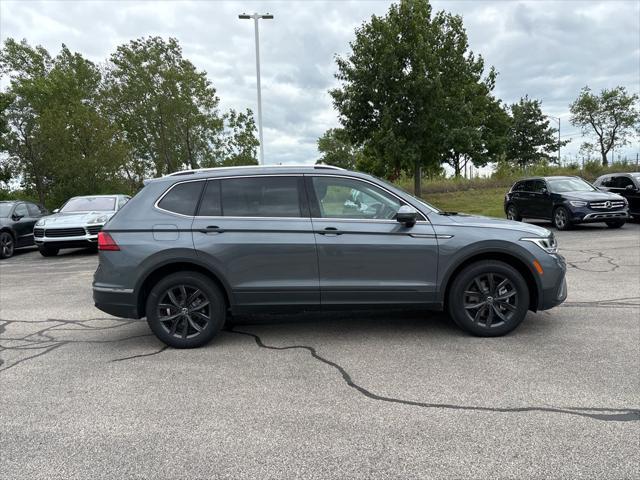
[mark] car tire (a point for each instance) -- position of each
(48, 251)
(185, 310)
(615, 223)
(488, 298)
(512, 213)
(7, 245)
(561, 219)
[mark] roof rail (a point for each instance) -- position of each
(198, 170)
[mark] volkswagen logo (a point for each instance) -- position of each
(607, 204)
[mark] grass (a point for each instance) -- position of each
(486, 201)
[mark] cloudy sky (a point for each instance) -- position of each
(546, 49)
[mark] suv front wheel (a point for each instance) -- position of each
(488, 298)
(185, 310)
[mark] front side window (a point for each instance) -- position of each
(266, 196)
(90, 204)
(622, 182)
(348, 198)
(21, 210)
(182, 198)
(34, 210)
(538, 186)
(122, 201)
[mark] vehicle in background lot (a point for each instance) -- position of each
(566, 201)
(77, 223)
(624, 184)
(17, 219)
(193, 246)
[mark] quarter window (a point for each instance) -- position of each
(266, 196)
(182, 198)
(347, 198)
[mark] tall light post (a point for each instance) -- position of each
(558, 120)
(256, 17)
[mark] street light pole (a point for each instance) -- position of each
(255, 18)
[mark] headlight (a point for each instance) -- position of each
(578, 203)
(548, 244)
(100, 219)
(41, 222)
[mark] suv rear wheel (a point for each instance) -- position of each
(488, 298)
(512, 213)
(6, 245)
(185, 310)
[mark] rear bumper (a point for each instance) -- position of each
(117, 302)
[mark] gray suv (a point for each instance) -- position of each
(193, 247)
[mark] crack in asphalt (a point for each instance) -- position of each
(627, 302)
(594, 255)
(605, 414)
(160, 350)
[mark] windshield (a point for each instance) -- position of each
(561, 185)
(90, 204)
(5, 209)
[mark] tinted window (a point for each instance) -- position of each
(21, 210)
(210, 205)
(527, 186)
(605, 182)
(182, 198)
(261, 197)
(537, 186)
(621, 182)
(347, 198)
(34, 211)
(518, 187)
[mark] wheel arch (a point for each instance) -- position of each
(160, 271)
(506, 257)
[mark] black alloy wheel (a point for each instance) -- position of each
(185, 310)
(561, 219)
(488, 298)
(6, 245)
(512, 213)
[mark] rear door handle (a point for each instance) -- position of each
(212, 229)
(330, 231)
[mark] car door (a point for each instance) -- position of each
(23, 225)
(540, 200)
(256, 232)
(364, 255)
(623, 185)
(34, 215)
(525, 197)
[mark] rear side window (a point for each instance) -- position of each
(518, 187)
(210, 205)
(182, 198)
(261, 197)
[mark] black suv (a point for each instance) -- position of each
(17, 219)
(625, 184)
(565, 201)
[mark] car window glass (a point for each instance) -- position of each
(537, 186)
(182, 198)
(518, 187)
(621, 182)
(34, 211)
(122, 201)
(266, 196)
(561, 185)
(21, 210)
(90, 204)
(210, 205)
(348, 198)
(606, 182)
(527, 186)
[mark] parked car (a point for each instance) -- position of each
(566, 201)
(624, 184)
(77, 223)
(192, 247)
(17, 219)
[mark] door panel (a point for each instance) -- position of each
(363, 262)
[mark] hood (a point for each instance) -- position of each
(591, 196)
(490, 222)
(73, 218)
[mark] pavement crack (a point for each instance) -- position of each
(162, 349)
(610, 263)
(605, 414)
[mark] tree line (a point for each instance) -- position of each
(70, 127)
(413, 97)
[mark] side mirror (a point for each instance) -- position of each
(544, 191)
(56, 210)
(407, 215)
(15, 217)
(630, 188)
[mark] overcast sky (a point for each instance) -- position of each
(546, 49)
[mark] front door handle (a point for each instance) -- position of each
(212, 229)
(330, 231)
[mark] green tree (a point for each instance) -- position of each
(57, 142)
(531, 138)
(610, 118)
(337, 150)
(237, 144)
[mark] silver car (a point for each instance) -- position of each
(77, 223)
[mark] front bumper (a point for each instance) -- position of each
(590, 215)
(85, 236)
(554, 288)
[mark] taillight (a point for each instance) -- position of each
(106, 242)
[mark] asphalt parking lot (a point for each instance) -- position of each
(357, 395)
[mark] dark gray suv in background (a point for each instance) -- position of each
(195, 246)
